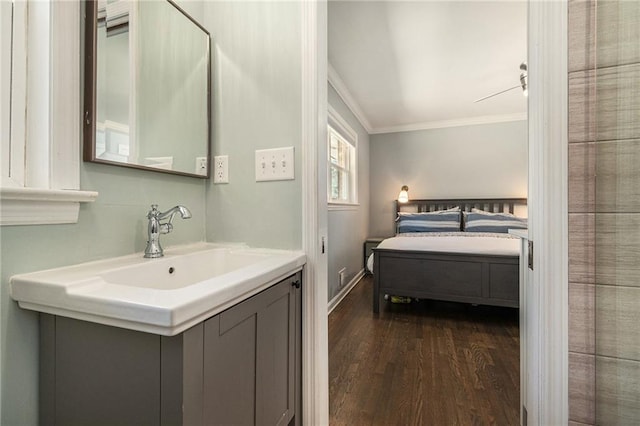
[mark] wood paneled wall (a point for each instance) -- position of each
(604, 211)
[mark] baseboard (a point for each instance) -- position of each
(345, 290)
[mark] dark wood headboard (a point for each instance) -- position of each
(496, 205)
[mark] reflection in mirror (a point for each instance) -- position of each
(151, 82)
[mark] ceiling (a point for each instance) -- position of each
(408, 65)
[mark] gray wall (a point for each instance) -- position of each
(257, 102)
(348, 228)
(488, 160)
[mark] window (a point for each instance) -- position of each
(340, 155)
(342, 176)
(39, 113)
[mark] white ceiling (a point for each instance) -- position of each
(404, 65)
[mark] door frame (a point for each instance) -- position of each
(315, 347)
(547, 311)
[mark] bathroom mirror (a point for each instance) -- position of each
(147, 87)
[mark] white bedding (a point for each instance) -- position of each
(454, 242)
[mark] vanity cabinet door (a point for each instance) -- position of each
(275, 357)
(229, 369)
(249, 360)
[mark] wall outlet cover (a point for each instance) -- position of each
(201, 166)
(221, 169)
(341, 276)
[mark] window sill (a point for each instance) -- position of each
(343, 206)
(31, 206)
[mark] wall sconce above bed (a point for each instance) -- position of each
(403, 196)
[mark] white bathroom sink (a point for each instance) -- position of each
(163, 296)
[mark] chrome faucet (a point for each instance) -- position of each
(155, 228)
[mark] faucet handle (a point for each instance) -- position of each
(153, 212)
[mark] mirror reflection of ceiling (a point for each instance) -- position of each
(421, 64)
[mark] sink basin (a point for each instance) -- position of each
(173, 272)
(162, 296)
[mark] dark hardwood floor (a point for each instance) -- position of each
(424, 363)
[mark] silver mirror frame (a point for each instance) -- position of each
(90, 94)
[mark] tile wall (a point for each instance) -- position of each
(604, 212)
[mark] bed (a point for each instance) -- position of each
(451, 264)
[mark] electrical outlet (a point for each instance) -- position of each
(221, 169)
(201, 166)
(275, 164)
(341, 275)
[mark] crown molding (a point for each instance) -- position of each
(471, 121)
(336, 82)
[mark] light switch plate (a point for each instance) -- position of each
(275, 164)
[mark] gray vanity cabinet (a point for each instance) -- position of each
(251, 348)
(240, 367)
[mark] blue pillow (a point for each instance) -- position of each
(441, 221)
(492, 222)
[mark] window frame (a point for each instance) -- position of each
(40, 180)
(337, 125)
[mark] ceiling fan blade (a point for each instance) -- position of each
(497, 93)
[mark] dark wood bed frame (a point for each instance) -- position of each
(478, 279)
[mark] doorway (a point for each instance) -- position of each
(388, 171)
